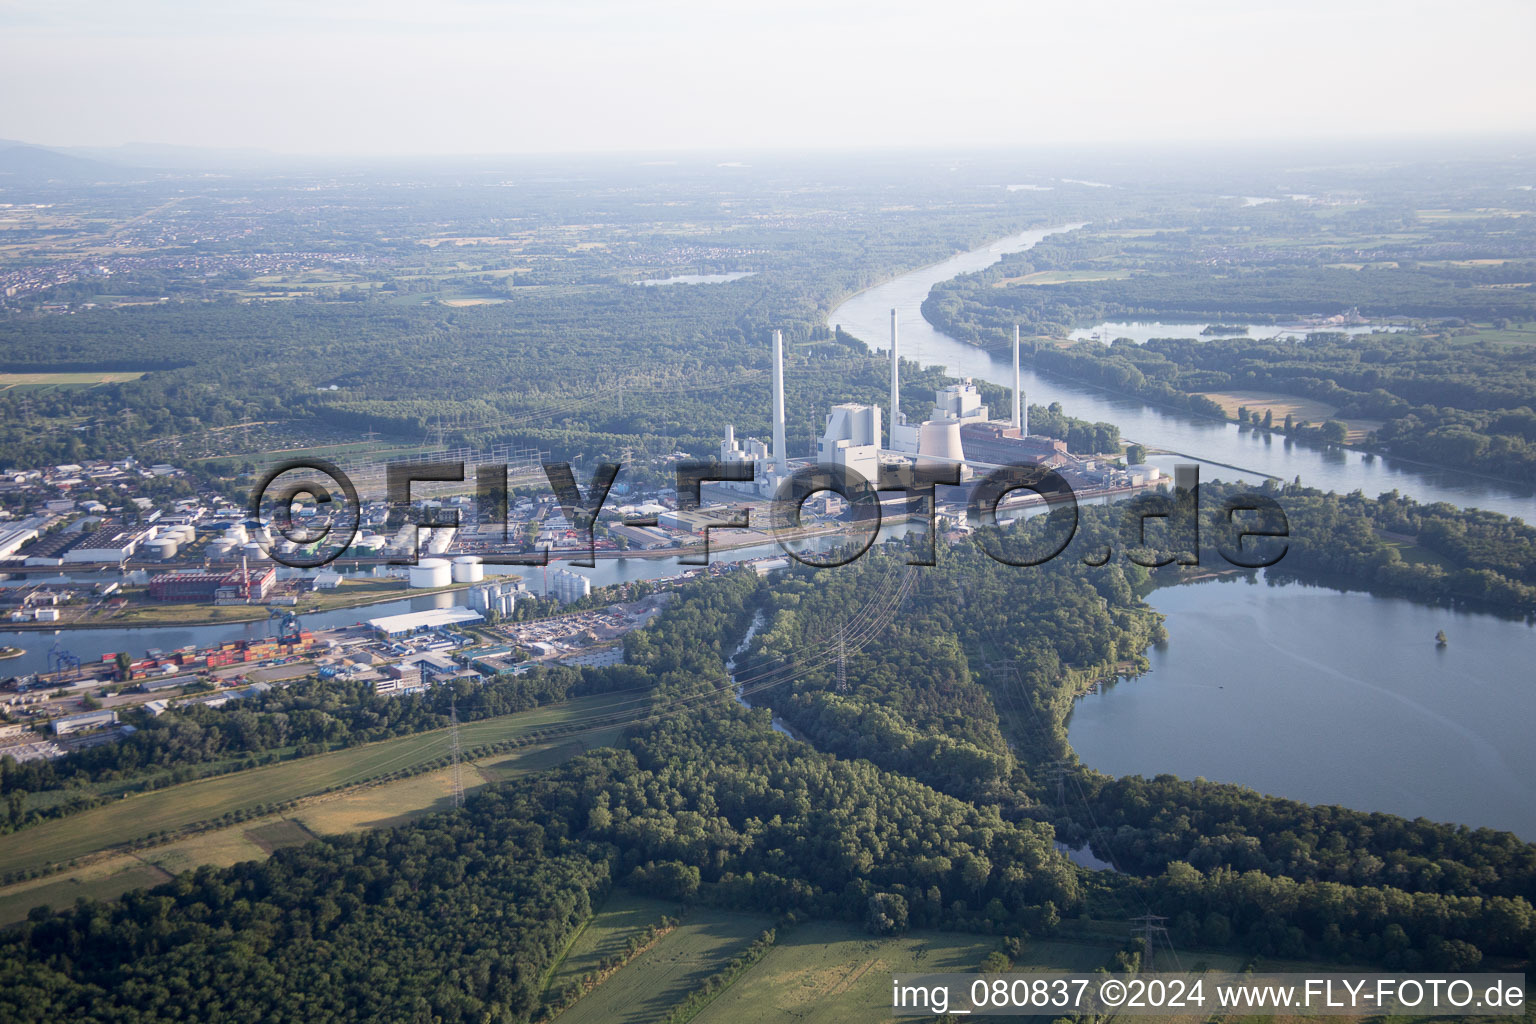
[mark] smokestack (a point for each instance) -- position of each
(896, 416)
(1018, 387)
(780, 455)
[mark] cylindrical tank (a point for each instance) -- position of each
(441, 539)
(940, 439)
(163, 548)
(237, 533)
(468, 569)
(221, 549)
(253, 552)
(186, 534)
(431, 572)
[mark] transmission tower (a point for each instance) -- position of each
(1151, 927)
(1056, 772)
(842, 660)
(458, 781)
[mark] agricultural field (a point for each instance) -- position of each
(655, 981)
(178, 807)
(835, 973)
(625, 914)
(371, 806)
(1311, 410)
(46, 381)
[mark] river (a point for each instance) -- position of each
(867, 316)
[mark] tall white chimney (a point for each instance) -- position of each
(780, 455)
(1018, 386)
(896, 416)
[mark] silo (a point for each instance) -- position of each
(468, 569)
(430, 572)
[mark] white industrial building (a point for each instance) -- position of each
(109, 544)
(79, 723)
(415, 622)
(13, 537)
(852, 440)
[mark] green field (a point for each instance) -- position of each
(625, 914)
(834, 972)
(44, 381)
(371, 806)
(177, 807)
(661, 977)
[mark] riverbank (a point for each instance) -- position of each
(192, 615)
(865, 315)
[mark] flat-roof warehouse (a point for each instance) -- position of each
(415, 622)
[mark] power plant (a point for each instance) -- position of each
(957, 431)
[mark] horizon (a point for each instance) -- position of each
(393, 81)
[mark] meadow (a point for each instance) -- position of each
(141, 816)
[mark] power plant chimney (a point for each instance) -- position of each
(780, 455)
(1018, 387)
(896, 417)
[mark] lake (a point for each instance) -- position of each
(1330, 698)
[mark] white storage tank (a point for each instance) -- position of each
(253, 552)
(430, 572)
(163, 548)
(221, 550)
(468, 569)
(237, 533)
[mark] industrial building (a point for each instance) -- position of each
(79, 723)
(235, 587)
(108, 544)
(998, 445)
(852, 440)
(390, 626)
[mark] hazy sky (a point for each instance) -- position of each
(463, 76)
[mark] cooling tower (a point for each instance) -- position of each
(940, 439)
